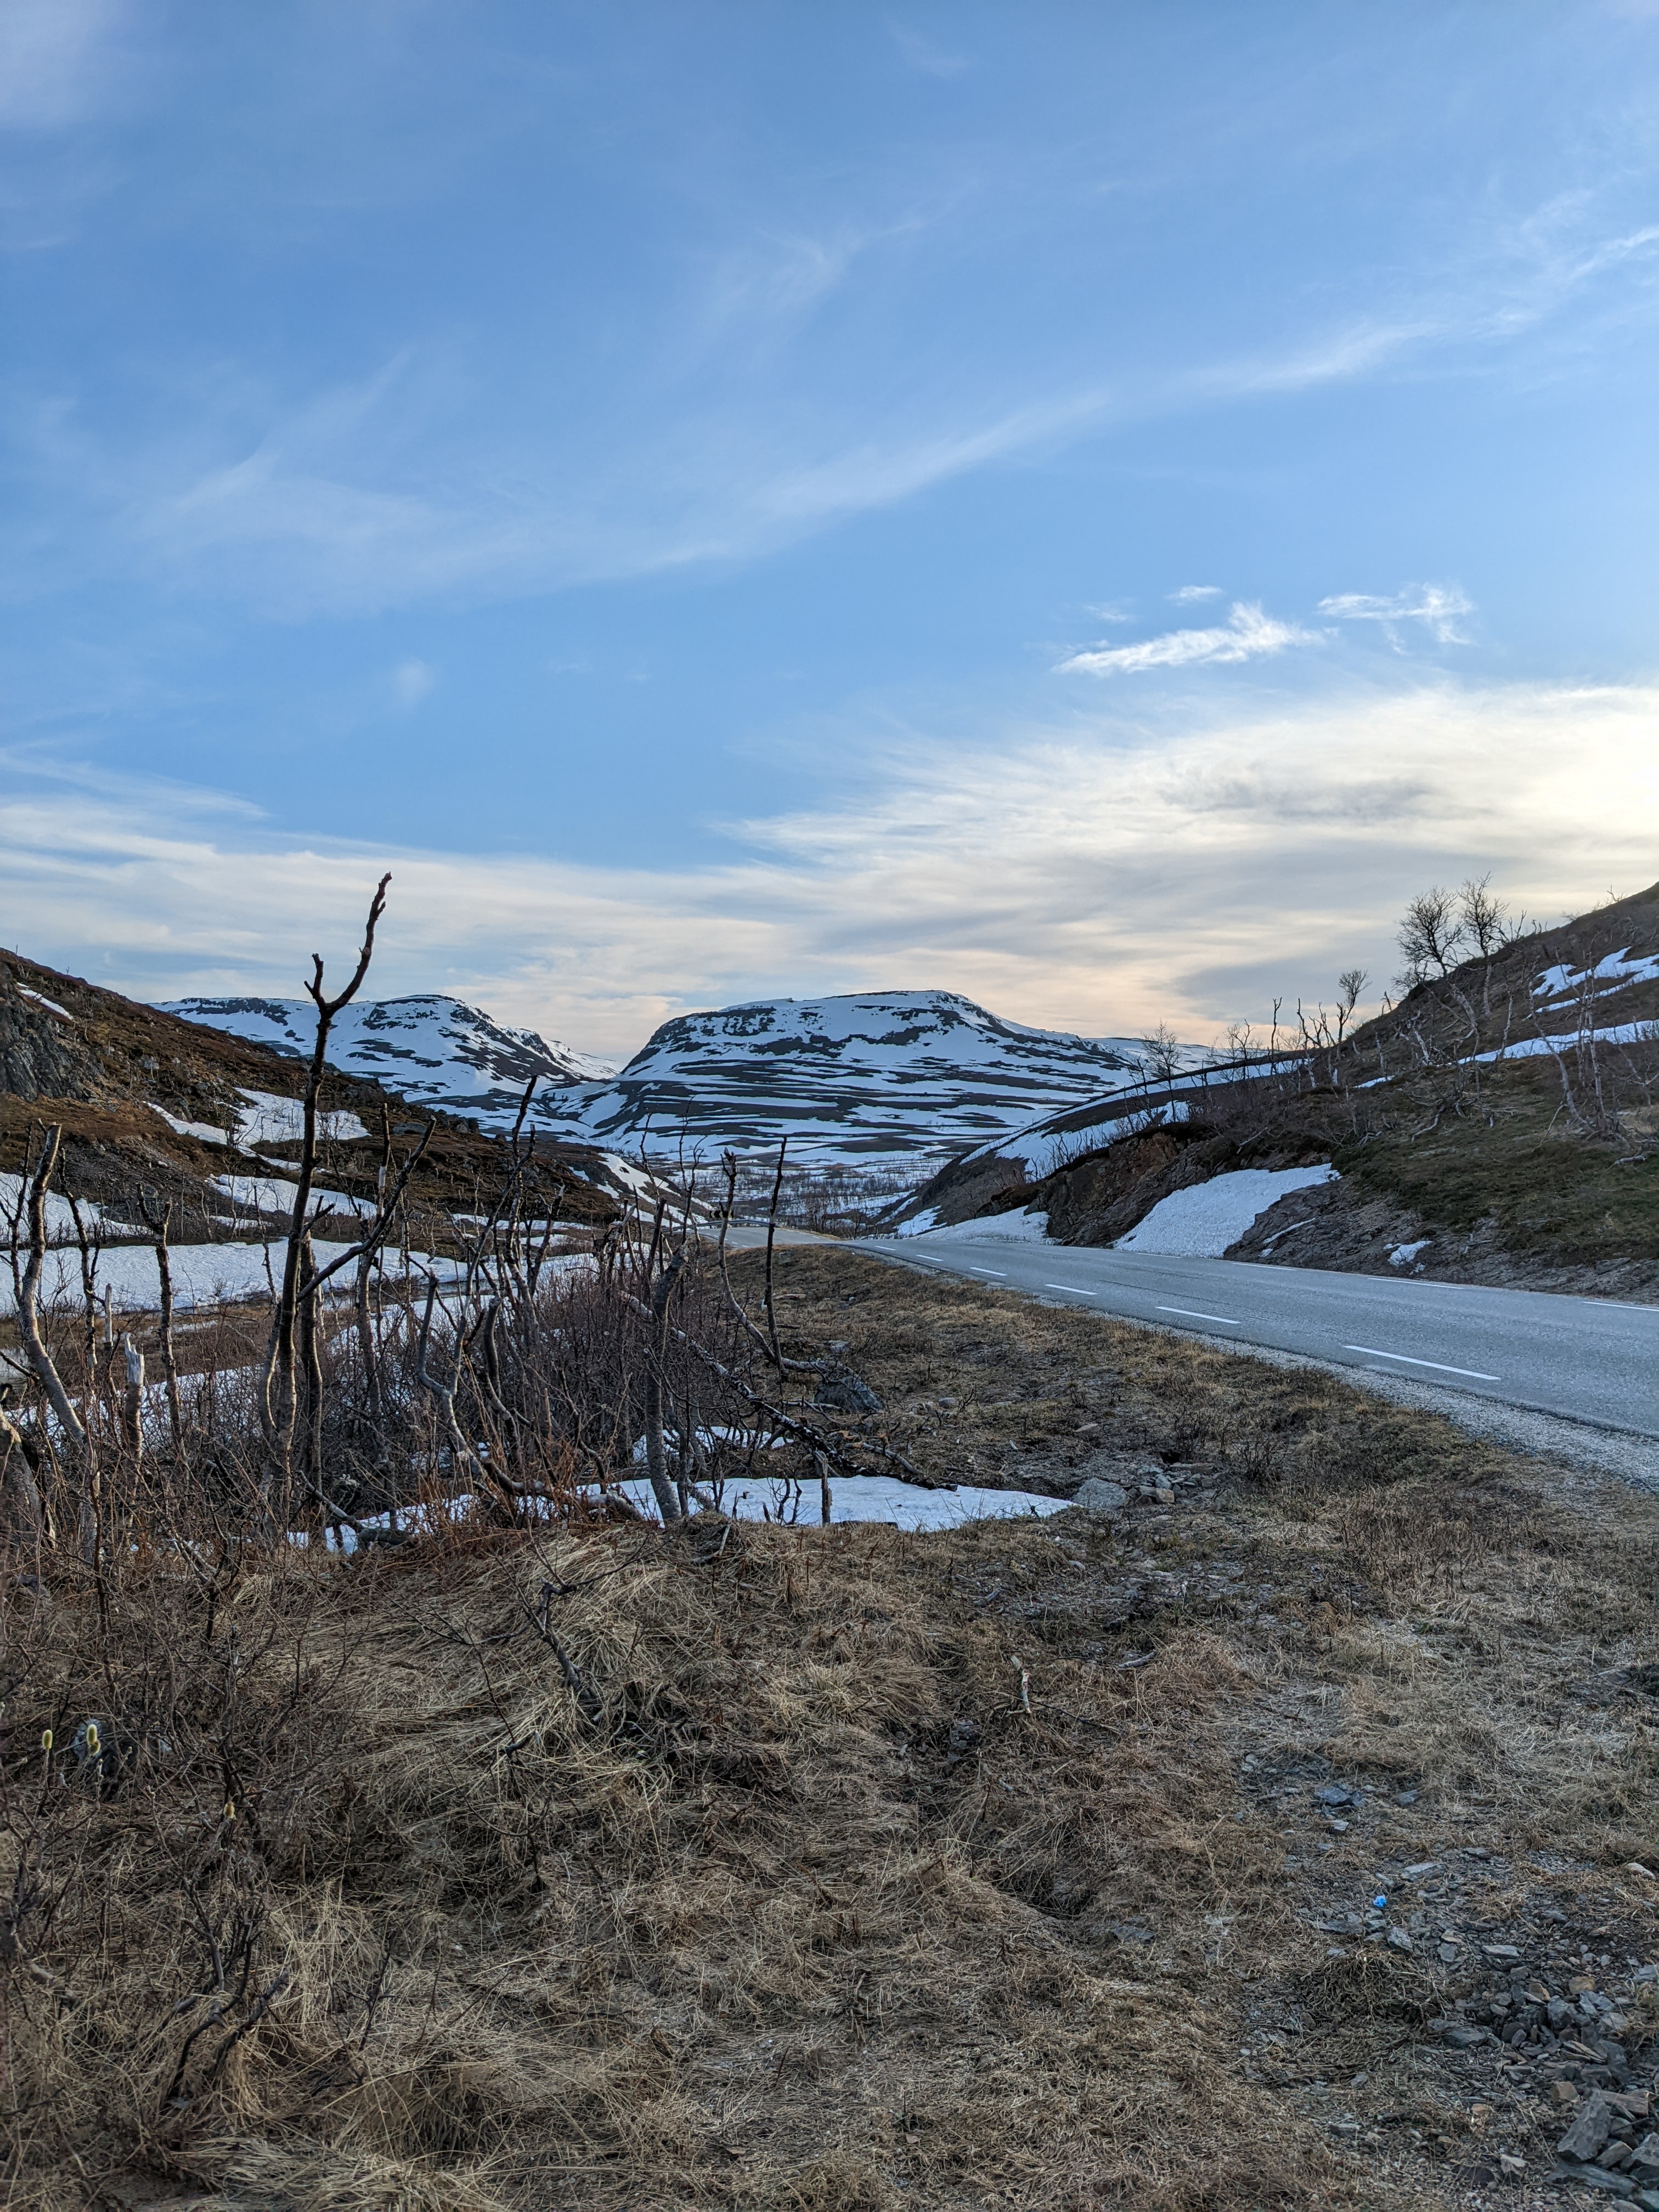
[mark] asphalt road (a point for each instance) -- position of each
(1588, 1359)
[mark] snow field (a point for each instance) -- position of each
(1200, 1224)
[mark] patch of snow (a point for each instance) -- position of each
(205, 1132)
(276, 1194)
(1403, 1255)
(50, 1005)
(202, 1274)
(919, 1225)
(1201, 1222)
(1568, 1041)
(273, 1119)
(878, 1497)
(1614, 973)
(1026, 1228)
(59, 1217)
(866, 1497)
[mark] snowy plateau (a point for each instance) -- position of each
(865, 1076)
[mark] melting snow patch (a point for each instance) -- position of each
(50, 1005)
(1403, 1255)
(998, 1229)
(271, 1119)
(1618, 969)
(1202, 1222)
(867, 1497)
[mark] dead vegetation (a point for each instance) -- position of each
(833, 1867)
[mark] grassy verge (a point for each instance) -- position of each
(842, 1869)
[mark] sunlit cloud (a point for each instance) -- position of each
(1438, 607)
(1097, 881)
(1248, 634)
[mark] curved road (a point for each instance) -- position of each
(1587, 1360)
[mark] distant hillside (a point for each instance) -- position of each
(437, 1050)
(861, 1075)
(1500, 1124)
(157, 1111)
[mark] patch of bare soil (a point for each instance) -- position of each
(1030, 1864)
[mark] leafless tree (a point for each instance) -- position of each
(280, 1390)
(1482, 916)
(1431, 931)
(1349, 985)
(1162, 1053)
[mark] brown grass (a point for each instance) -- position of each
(795, 1905)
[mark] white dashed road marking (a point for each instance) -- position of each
(1473, 1374)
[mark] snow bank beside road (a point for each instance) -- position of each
(1201, 1222)
(988, 1228)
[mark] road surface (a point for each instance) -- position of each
(1586, 1359)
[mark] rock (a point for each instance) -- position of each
(1590, 2128)
(1097, 1495)
(1448, 1953)
(843, 1392)
(1328, 1793)
(1592, 2177)
(1644, 2159)
(1563, 2092)
(1398, 1940)
(1465, 2039)
(1646, 1974)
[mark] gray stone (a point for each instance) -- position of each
(1465, 2039)
(1097, 1495)
(1592, 2124)
(1645, 2156)
(1593, 2177)
(847, 1393)
(1398, 1940)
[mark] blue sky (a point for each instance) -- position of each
(1091, 506)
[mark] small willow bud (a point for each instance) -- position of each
(92, 1738)
(46, 1739)
(230, 1808)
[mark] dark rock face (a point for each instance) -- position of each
(39, 1055)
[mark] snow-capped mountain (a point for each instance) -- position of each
(870, 1073)
(431, 1049)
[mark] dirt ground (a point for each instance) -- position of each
(1035, 1863)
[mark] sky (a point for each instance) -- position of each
(1088, 506)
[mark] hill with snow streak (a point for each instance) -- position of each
(433, 1050)
(867, 1074)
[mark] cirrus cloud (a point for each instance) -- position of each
(1247, 634)
(1097, 879)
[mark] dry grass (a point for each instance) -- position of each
(791, 1903)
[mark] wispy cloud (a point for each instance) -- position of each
(55, 59)
(1190, 592)
(922, 54)
(411, 681)
(1097, 880)
(1438, 607)
(1248, 634)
